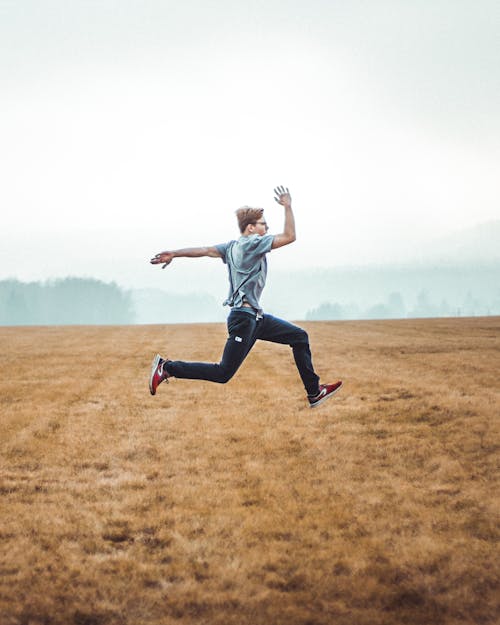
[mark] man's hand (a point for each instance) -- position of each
(164, 258)
(283, 197)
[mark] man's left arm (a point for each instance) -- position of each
(288, 235)
(165, 258)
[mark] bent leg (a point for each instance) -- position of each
(280, 331)
(241, 329)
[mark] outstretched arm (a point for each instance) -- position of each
(284, 198)
(165, 258)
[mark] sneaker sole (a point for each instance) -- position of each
(326, 397)
(154, 365)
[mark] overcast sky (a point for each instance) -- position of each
(128, 127)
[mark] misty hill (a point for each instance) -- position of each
(375, 292)
(388, 292)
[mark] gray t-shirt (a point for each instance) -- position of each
(247, 265)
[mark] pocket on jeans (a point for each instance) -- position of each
(240, 326)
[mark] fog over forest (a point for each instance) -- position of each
(328, 294)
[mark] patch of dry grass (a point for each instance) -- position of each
(237, 504)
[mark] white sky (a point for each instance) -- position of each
(129, 127)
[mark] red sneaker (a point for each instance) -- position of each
(325, 391)
(158, 374)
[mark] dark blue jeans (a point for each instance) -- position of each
(244, 329)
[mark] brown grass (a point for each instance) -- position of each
(237, 504)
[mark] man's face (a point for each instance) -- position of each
(261, 226)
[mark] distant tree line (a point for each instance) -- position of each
(394, 307)
(348, 294)
(65, 301)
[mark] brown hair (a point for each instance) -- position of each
(247, 215)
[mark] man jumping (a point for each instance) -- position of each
(247, 266)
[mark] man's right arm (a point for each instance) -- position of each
(165, 258)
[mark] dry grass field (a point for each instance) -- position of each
(237, 504)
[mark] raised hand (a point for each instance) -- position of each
(164, 258)
(282, 196)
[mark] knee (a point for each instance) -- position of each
(224, 376)
(301, 338)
